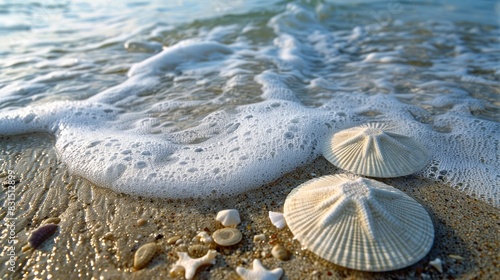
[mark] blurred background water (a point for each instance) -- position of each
(65, 49)
(440, 56)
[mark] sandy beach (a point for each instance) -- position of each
(100, 230)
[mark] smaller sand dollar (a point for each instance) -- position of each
(375, 150)
(227, 236)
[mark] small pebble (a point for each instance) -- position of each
(456, 257)
(144, 255)
(26, 247)
(227, 236)
(280, 253)
(108, 236)
(39, 235)
(259, 238)
(52, 220)
(141, 222)
(264, 254)
(173, 239)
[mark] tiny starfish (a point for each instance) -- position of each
(259, 272)
(190, 265)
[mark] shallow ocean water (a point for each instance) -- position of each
(194, 99)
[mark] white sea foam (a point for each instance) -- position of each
(182, 52)
(118, 140)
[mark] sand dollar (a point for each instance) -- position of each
(375, 150)
(359, 223)
(227, 236)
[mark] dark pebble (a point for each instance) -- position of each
(39, 235)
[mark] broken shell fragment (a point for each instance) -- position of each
(359, 223)
(144, 255)
(277, 219)
(437, 264)
(204, 237)
(228, 217)
(39, 235)
(375, 150)
(227, 236)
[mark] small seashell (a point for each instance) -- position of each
(227, 236)
(280, 252)
(228, 217)
(39, 235)
(144, 255)
(204, 237)
(359, 223)
(375, 150)
(277, 219)
(52, 220)
(259, 238)
(173, 239)
(437, 264)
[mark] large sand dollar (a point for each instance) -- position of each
(359, 223)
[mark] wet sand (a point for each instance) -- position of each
(99, 230)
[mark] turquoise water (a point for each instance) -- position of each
(195, 98)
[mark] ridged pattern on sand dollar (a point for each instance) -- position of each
(359, 223)
(373, 149)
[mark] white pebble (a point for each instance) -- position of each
(259, 238)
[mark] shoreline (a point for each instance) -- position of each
(99, 230)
